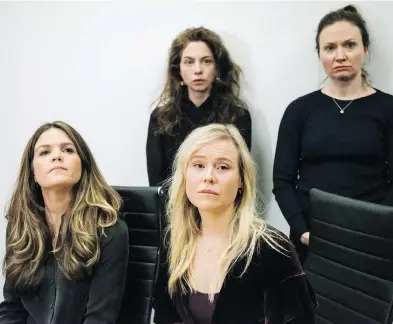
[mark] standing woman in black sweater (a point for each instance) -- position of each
(340, 138)
(202, 87)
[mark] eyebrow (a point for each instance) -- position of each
(345, 41)
(193, 58)
(48, 145)
(221, 159)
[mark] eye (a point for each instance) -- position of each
(208, 61)
(188, 62)
(351, 44)
(69, 150)
(329, 48)
(223, 167)
(44, 152)
(198, 165)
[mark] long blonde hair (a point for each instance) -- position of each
(94, 206)
(246, 228)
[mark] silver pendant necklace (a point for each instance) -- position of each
(339, 107)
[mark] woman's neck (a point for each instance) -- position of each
(347, 90)
(57, 203)
(198, 97)
(216, 223)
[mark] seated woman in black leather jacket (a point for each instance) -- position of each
(66, 250)
(221, 262)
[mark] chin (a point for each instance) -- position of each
(206, 205)
(60, 184)
(345, 77)
(201, 88)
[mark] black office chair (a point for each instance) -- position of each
(350, 261)
(142, 212)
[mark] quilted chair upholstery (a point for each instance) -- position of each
(350, 261)
(142, 212)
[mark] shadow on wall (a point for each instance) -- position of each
(261, 150)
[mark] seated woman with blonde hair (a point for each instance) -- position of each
(221, 262)
(66, 250)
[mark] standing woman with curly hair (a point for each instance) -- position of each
(66, 250)
(202, 87)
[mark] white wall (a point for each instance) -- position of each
(100, 65)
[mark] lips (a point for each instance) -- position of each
(208, 191)
(58, 168)
(341, 67)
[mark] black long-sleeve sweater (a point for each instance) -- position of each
(349, 154)
(161, 148)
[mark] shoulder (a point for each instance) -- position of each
(243, 114)
(384, 98)
(279, 260)
(383, 101)
(384, 95)
(302, 102)
(117, 234)
(154, 114)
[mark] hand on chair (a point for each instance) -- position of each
(305, 238)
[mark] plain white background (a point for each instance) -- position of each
(100, 65)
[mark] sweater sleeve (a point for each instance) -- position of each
(244, 124)
(286, 168)
(155, 154)
(389, 154)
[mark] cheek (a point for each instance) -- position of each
(38, 170)
(184, 73)
(192, 180)
(76, 166)
(358, 59)
(212, 72)
(326, 62)
(231, 189)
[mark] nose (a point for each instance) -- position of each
(198, 68)
(57, 155)
(340, 54)
(209, 176)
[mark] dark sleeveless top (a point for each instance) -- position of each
(201, 308)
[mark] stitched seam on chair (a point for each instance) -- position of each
(141, 262)
(354, 231)
(152, 213)
(368, 274)
(143, 246)
(351, 269)
(351, 250)
(143, 229)
(347, 308)
(350, 288)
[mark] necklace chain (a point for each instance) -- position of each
(342, 110)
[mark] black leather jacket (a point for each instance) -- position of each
(96, 299)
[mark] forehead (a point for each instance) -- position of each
(218, 150)
(197, 49)
(340, 31)
(52, 136)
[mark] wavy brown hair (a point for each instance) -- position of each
(225, 90)
(94, 206)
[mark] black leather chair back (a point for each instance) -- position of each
(350, 261)
(142, 212)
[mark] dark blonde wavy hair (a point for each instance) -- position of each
(93, 207)
(225, 90)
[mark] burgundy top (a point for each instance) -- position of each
(201, 308)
